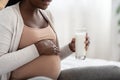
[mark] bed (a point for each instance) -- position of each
(71, 62)
(89, 69)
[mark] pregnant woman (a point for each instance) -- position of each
(28, 42)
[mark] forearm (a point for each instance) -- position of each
(48, 66)
(13, 60)
(65, 52)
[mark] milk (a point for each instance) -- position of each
(80, 35)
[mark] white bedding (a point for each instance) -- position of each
(71, 62)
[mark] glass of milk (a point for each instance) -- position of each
(80, 36)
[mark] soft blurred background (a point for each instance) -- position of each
(100, 17)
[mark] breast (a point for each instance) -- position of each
(32, 35)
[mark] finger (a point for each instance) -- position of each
(87, 43)
(73, 49)
(86, 37)
(73, 40)
(56, 50)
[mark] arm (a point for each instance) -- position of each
(13, 60)
(64, 51)
(70, 48)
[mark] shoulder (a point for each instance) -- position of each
(7, 13)
(10, 12)
(8, 18)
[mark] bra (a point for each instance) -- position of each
(32, 35)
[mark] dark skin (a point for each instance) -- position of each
(32, 17)
(30, 14)
(47, 47)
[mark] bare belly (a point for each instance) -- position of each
(48, 66)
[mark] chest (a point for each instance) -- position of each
(35, 21)
(33, 35)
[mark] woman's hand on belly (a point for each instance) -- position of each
(47, 47)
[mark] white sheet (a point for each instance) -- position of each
(71, 62)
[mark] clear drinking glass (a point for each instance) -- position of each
(80, 36)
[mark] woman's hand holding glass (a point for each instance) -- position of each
(72, 43)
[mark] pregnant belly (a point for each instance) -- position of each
(42, 66)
